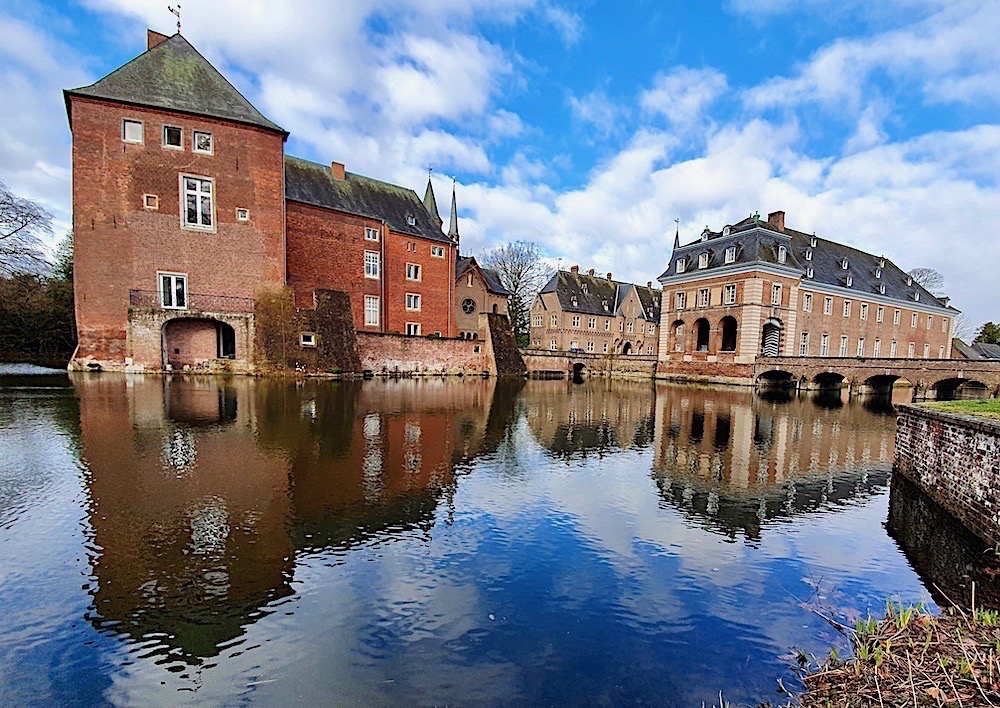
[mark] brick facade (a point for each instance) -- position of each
(471, 285)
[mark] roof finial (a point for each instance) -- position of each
(176, 11)
(677, 234)
(453, 225)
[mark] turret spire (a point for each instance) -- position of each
(453, 225)
(429, 201)
(677, 234)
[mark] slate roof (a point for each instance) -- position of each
(986, 351)
(174, 76)
(314, 184)
(758, 242)
(490, 275)
(587, 294)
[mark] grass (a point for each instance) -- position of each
(984, 407)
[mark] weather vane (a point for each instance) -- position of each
(176, 11)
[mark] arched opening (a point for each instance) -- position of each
(677, 334)
(702, 332)
(728, 327)
(829, 381)
(190, 342)
(578, 368)
(770, 339)
(776, 379)
(880, 385)
(627, 348)
(958, 389)
(496, 309)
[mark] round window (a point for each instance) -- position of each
(468, 305)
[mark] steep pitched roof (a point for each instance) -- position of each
(174, 76)
(314, 184)
(491, 277)
(430, 202)
(453, 223)
(758, 242)
(587, 294)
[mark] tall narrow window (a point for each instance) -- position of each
(371, 310)
(880, 314)
(807, 302)
(861, 346)
(731, 254)
(680, 300)
(913, 320)
(843, 345)
(927, 351)
(372, 265)
(555, 320)
(910, 350)
(864, 310)
(930, 321)
(680, 265)
(413, 271)
(775, 294)
(729, 295)
(828, 306)
(173, 291)
(782, 254)
(877, 348)
(199, 203)
(703, 261)
(895, 317)
(847, 308)
(704, 297)
(824, 345)
(804, 344)
(892, 349)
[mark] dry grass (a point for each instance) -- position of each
(983, 407)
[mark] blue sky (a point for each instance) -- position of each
(589, 127)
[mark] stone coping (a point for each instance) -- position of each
(984, 425)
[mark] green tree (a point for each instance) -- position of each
(989, 333)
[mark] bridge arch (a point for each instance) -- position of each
(883, 384)
(776, 378)
(829, 380)
(953, 388)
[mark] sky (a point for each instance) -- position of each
(588, 127)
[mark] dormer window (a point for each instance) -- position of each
(731, 254)
(909, 281)
(878, 273)
(605, 304)
(881, 263)
(411, 220)
(573, 301)
(916, 297)
(809, 272)
(782, 254)
(844, 264)
(850, 281)
(809, 254)
(812, 241)
(703, 261)
(726, 230)
(584, 288)
(881, 288)
(705, 234)
(680, 266)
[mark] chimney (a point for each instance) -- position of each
(574, 269)
(154, 39)
(609, 276)
(338, 171)
(776, 219)
(649, 283)
(591, 272)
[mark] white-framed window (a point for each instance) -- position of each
(892, 349)
(850, 281)
(880, 314)
(592, 323)
(173, 137)
(242, 214)
(877, 348)
(173, 291)
(411, 220)
(729, 295)
(913, 321)
(651, 329)
(536, 320)
(864, 310)
(132, 131)
(371, 234)
(927, 351)
(910, 350)
(824, 345)
(944, 324)
(605, 347)
(731, 254)
(704, 297)
(307, 339)
(150, 202)
(895, 317)
(878, 273)
(437, 251)
(197, 203)
(607, 325)
(807, 302)
(847, 308)
(413, 271)
(203, 142)
(373, 265)
(413, 329)
(412, 302)
(649, 350)
(680, 300)
(828, 306)
(553, 345)
(629, 326)
(590, 346)
(680, 265)
(941, 352)
(372, 310)
(782, 254)
(621, 325)
(844, 264)
(930, 321)
(554, 319)
(843, 345)
(775, 294)
(861, 346)
(810, 272)
(576, 320)
(804, 344)
(703, 261)
(809, 254)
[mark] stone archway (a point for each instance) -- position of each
(729, 334)
(193, 341)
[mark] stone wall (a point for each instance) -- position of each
(397, 354)
(542, 362)
(706, 372)
(956, 460)
(501, 346)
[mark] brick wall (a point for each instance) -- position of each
(540, 361)
(399, 354)
(956, 460)
(436, 286)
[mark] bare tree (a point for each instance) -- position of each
(523, 272)
(932, 280)
(965, 329)
(22, 225)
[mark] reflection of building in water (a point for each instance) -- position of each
(598, 417)
(203, 490)
(948, 557)
(740, 459)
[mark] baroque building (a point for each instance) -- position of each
(594, 314)
(757, 288)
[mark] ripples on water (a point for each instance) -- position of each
(442, 542)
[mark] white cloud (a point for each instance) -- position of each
(683, 94)
(598, 111)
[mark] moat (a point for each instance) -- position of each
(444, 541)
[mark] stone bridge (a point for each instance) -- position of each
(929, 378)
(544, 363)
